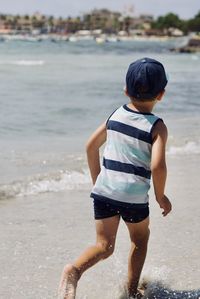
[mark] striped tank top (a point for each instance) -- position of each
(125, 173)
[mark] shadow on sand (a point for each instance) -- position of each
(156, 290)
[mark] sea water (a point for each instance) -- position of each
(54, 95)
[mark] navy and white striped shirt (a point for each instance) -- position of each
(125, 174)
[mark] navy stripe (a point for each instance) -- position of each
(129, 130)
(127, 168)
(159, 119)
(119, 203)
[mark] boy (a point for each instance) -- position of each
(135, 149)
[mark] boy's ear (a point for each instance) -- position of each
(125, 91)
(160, 95)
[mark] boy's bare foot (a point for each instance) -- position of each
(68, 284)
(138, 295)
(126, 295)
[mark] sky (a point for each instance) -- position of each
(184, 8)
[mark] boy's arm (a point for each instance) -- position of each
(96, 140)
(158, 166)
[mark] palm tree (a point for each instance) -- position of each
(27, 17)
(2, 17)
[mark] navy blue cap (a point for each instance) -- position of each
(145, 78)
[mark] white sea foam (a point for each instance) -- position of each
(158, 273)
(24, 62)
(190, 147)
(47, 183)
(195, 57)
(29, 62)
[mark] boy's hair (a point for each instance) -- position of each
(145, 79)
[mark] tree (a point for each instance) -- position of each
(168, 21)
(87, 21)
(127, 23)
(2, 17)
(27, 17)
(194, 24)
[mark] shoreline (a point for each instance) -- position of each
(41, 233)
(191, 45)
(102, 38)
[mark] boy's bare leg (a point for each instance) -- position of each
(139, 235)
(68, 283)
(106, 230)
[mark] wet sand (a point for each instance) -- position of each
(39, 234)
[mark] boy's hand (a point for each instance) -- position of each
(165, 204)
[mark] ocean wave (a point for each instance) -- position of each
(29, 62)
(24, 62)
(190, 147)
(68, 180)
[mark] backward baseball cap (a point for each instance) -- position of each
(145, 78)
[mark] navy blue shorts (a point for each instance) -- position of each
(129, 214)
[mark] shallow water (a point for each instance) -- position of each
(54, 95)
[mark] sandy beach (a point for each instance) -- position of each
(40, 233)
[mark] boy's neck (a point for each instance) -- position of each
(144, 107)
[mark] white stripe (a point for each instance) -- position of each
(107, 179)
(143, 199)
(118, 156)
(122, 176)
(122, 138)
(143, 122)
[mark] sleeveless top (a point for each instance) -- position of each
(125, 173)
